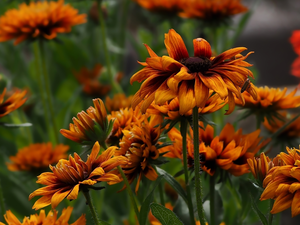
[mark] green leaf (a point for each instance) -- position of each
(164, 215)
(262, 217)
(146, 204)
(279, 131)
(174, 183)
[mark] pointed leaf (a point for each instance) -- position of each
(164, 215)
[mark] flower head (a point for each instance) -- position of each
(90, 81)
(283, 183)
(212, 10)
(89, 126)
(69, 176)
(38, 20)
(119, 101)
(163, 6)
(12, 103)
(140, 146)
(37, 157)
(42, 219)
(191, 78)
(229, 151)
(269, 101)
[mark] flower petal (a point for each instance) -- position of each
(175, 45)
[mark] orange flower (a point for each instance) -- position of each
(260, 166)
(212, 10)
(153, 220)
(191, 78)
(283, 183)
(90, 81)
(119, 101)
(268, 102)
(295, 41)
(37, 156)
(171, 109)
(42, 219)
(124, 119)
(38, 20)
(70, 176)
(12, 103)
(163, 6)
(140, 146)
(292, 131)
(295, 68)
(89, 126)
(228, 151)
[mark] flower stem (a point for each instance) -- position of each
(198, 186)
(257, 123)
(270, 214)
(2, 205)
(40, 80)
(87, 196)
(129, 192)
(48, 91)
(212, 199)
(183, 131)
(117, 88)
(161, 194)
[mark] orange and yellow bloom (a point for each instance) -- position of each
(16, 100)
(119, 101)
(89, 126)
(36, 157)
(38, 20)
(43, 219)
(191, 78)
(163, 6)
(140, 145)
(70, 176)
(283, 183)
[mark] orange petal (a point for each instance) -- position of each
(296, 204)
(74, 193)
(282, 202)
(201, 93)
(201, 48)
(175, 45)
(150, 51)
(215, 83)
(231, 103)
(186, 98)
(42, 202)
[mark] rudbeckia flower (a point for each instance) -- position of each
(90, 81)
(119, 101)
(12, 103)
(212, 10)
(171, 109)
(140, 146)
(229, 151)
(269, 101)
(163, 6)
(36, 157)
(43, 219)
(283, 183)
(191, 78)
(89, 126)
(38, 20)
(68, 177)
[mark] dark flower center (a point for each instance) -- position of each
(196, 64)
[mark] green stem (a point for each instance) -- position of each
(117, 88)
(270, 214)
(48, 90)
(161, 193)
(198, 186)
(40, 80)
(2, 204)
(183, 131)
(257, 123)
(87, 196)
(212, 199)
(129, 192)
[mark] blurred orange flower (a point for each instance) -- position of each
(191, 78)
(42, 219)
(163, 6)
(295, 41)
(119, 101)
(90, 81)
(171, 109)
(283, 183)
(13, 102)
(139, 145)
(37, 156)
(228, 151)
(89, 126)
(38, 20)
(70, 176)
(212, 10)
